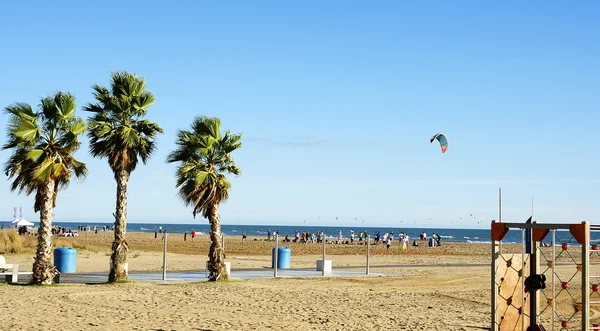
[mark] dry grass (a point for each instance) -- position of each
(12, 242)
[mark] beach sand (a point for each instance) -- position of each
(442, 288)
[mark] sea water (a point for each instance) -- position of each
(447, 234)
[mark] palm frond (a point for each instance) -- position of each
(42, 143)
(203, 161)
(114, 129)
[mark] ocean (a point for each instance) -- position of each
(448, 235)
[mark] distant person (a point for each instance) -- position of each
(185, 236)
(269, 235)
(155, 234)
(437, 238)
(244, 236)
(193, 234)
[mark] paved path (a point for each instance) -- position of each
(245, 274)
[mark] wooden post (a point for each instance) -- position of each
(494, 289)
(585, 278)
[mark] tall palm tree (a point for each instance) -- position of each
(118, 132)
(42, 162)
(204, 157)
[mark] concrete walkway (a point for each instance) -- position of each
(244, 274)
(200, 276)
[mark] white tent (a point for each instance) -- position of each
(21, 222)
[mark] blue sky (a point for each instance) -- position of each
(336, 101)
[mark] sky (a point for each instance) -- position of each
(336, 101)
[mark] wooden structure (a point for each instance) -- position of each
(515, 296)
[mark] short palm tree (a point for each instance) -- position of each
(204, 157)
(42, 162)
(118, 132)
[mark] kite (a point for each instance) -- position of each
(442, 139)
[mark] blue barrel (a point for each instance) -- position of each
(283, 258)
(65, 259)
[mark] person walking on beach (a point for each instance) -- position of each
(193, 234)
(155, 234)
(352, 236)
(244, 236)
(269, 235)
(185, 236)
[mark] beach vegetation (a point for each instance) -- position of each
(42, 162)
(10, 242)
(203, 157)
(119, 132)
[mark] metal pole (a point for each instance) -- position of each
(523, 280)
(276, 255)
(534, 264)
(164, 275)
(368, 251)
(324, 248)
(500, 214)
(500, 205)
(553, 275)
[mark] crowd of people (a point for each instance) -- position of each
(386, 238)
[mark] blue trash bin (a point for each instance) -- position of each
(65, 260)
(283, 258)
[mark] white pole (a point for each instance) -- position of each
(276, 255)
(500, 217)
(368, 251)
(500, 206)
(164, 275)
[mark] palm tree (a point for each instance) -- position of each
(42, 162)
(118, 132)
(204, 157)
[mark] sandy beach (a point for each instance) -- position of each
(441, 288)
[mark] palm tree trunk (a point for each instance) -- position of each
(216, 254)
(43, 268)
(119, 246)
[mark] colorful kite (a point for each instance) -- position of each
(442, 139)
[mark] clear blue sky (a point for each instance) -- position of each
(337, 101)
